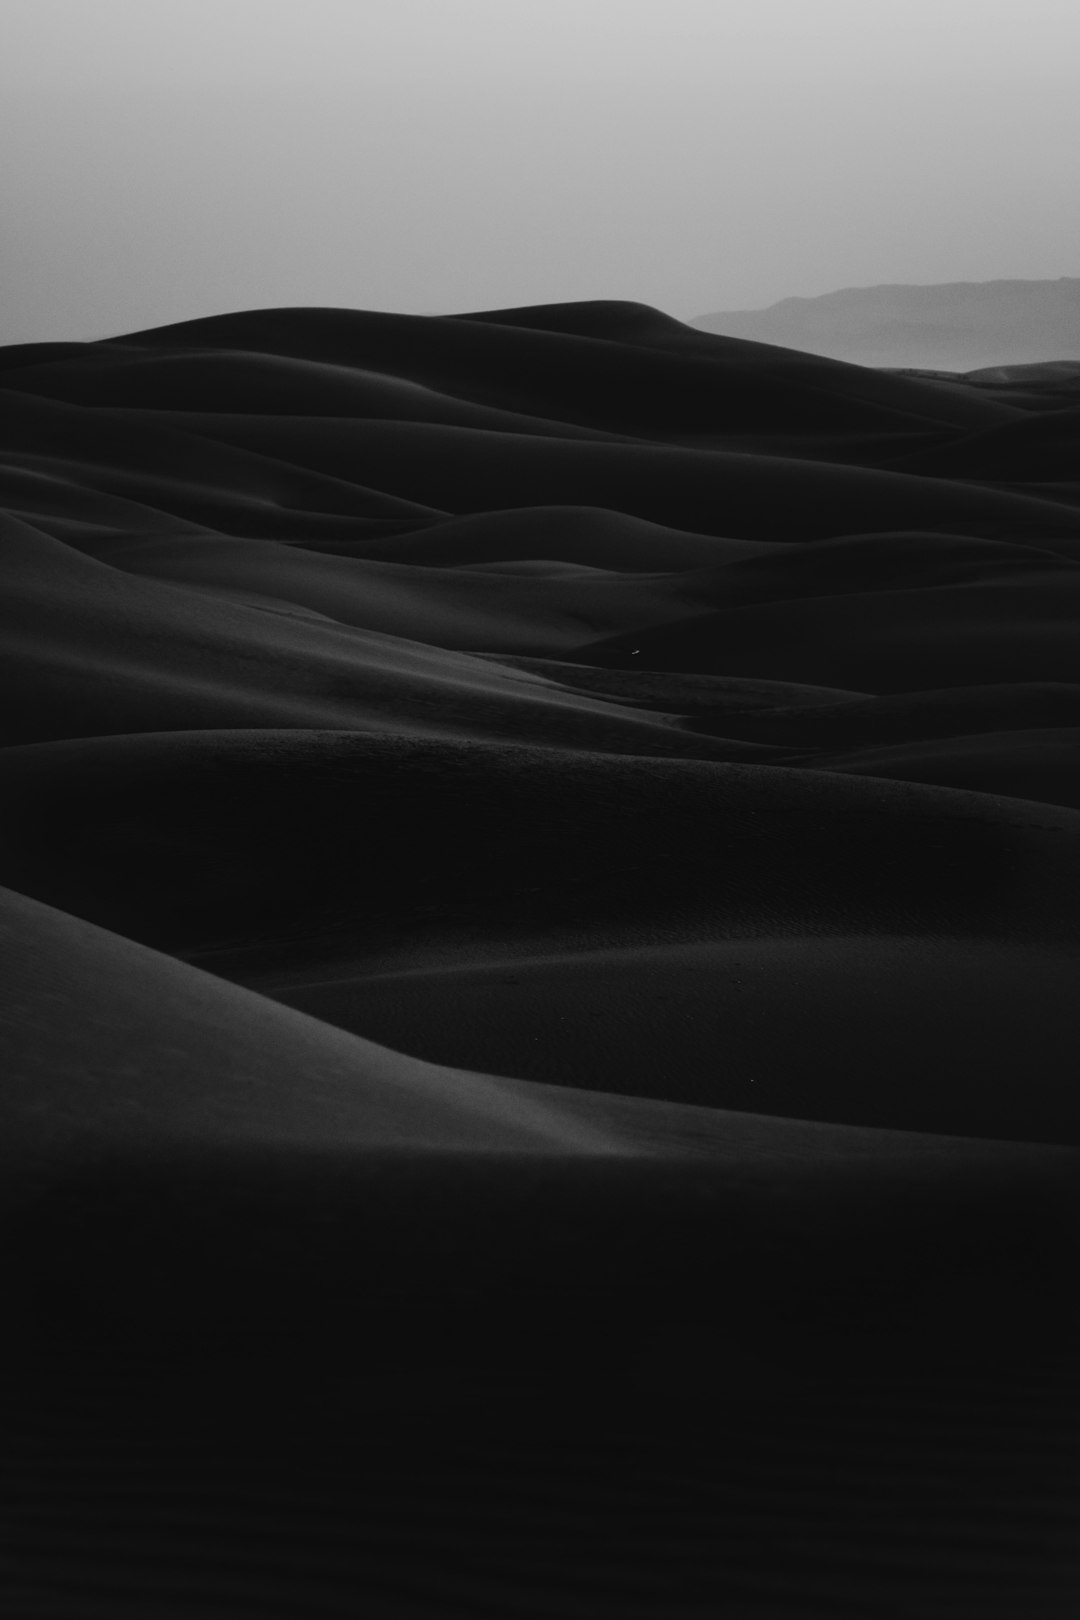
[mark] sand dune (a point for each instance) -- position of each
(1044, 764)
(1043, 447)
(586, 535)
(455, 469)
(541, 862)
(194, 841)
(204, 659)
(889, 641)
(620, 363)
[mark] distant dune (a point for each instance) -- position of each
(540, 923)
(960, 326)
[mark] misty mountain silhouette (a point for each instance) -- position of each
(958, 326)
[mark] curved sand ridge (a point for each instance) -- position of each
(541, 854)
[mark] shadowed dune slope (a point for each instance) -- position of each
(741, 936)
(724, 491)
(886, 641)
(1044, 764)
(96, 650)
(541, 875)
(1046, 446)
(612, 363)
(309, 840)
(480, 1305)
(141, 1065)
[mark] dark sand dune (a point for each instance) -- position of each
(589, 536)
(1043, 764)
(191, 841)
(888, 641)
(263, 384)
(596, 364)
(346, 1323)
(533, 607)
(724, 491)
(540, 935)
(1046, 446)
(102, 651)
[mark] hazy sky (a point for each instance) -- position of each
(161, 159)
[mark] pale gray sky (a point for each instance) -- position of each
(161, 159)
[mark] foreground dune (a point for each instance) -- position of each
(541, 855)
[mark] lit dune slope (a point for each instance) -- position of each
(541, 875)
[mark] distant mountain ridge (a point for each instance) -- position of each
(958, 326)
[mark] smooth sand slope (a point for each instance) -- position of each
(541, 874)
